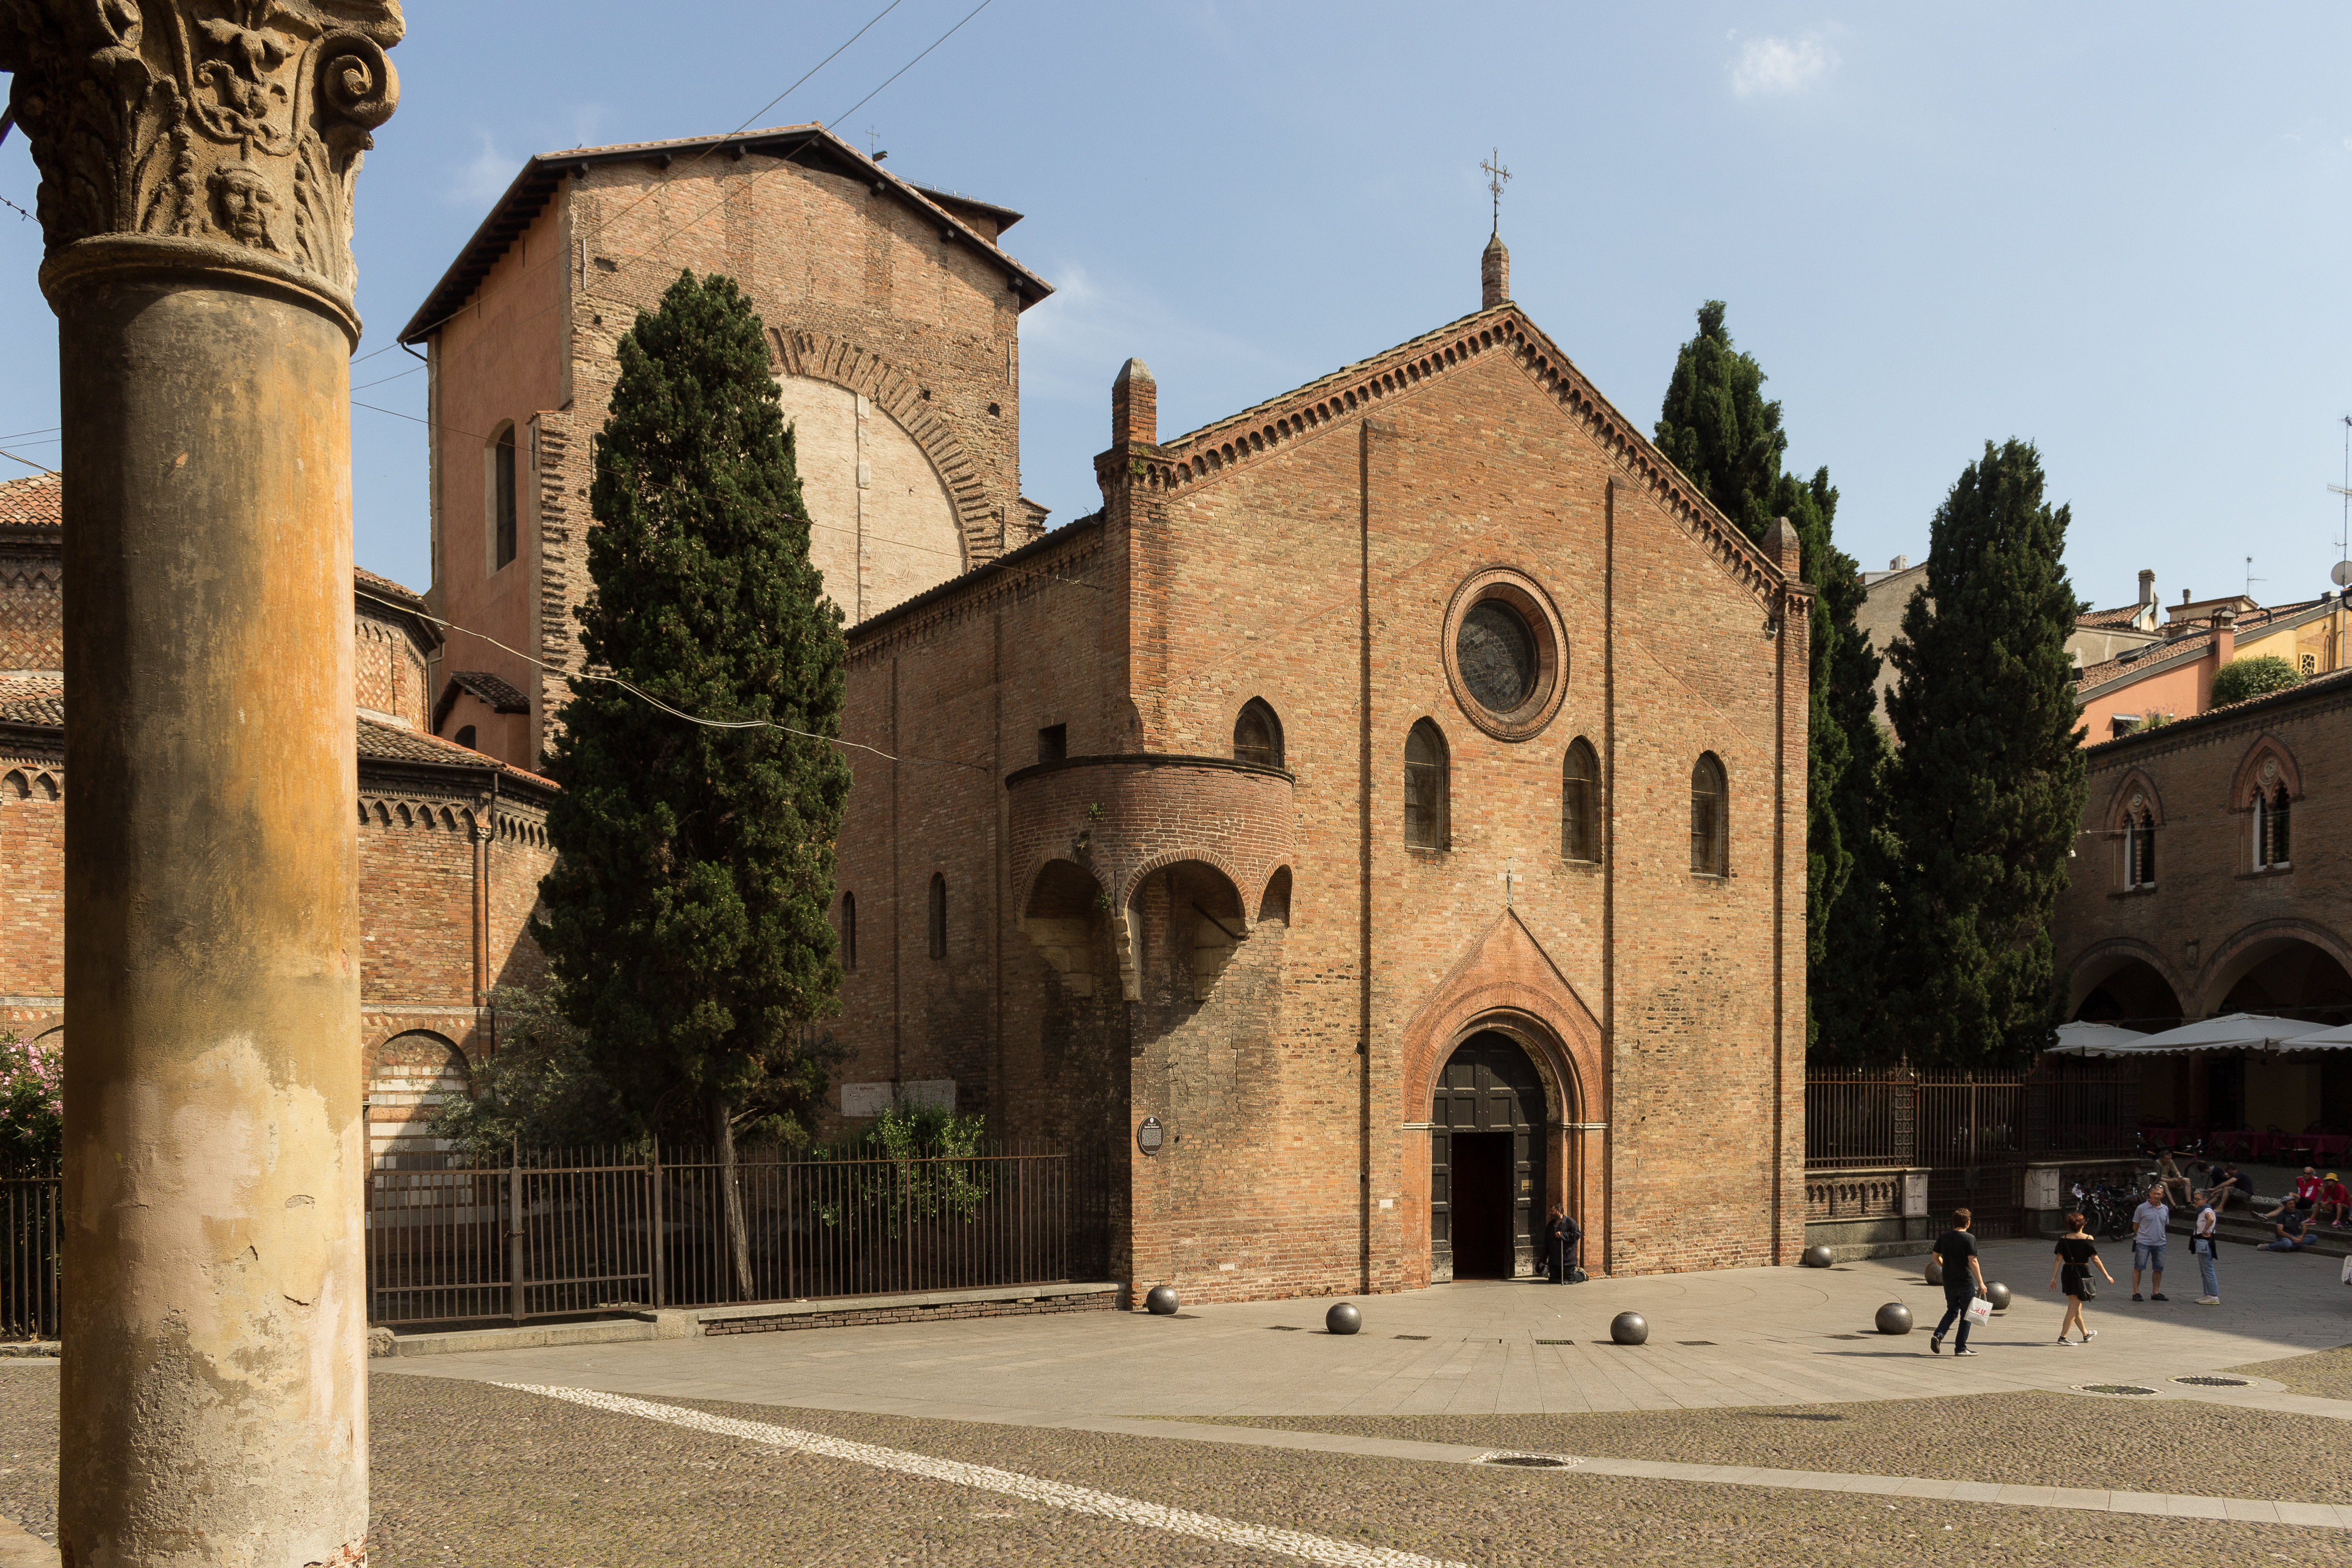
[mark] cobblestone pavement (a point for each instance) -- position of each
(28, 1446)
(2028, 1438)
(2327, 1375)
(470, 1473)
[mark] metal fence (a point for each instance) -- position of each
(544, 1235)
(29, 1276)
(1934, 1120)
(1974, 1136)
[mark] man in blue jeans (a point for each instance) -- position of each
(1961, 1285)
(2151, 1223)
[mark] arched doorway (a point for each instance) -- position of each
(1487, 1162)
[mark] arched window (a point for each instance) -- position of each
(1425, 813)
(1710, 818)
(502, 506)
(849, 931)
(2271, 824)
(1258, 735)
(1579, 802)
(2139, 847)
(938, 921)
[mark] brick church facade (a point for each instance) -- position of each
(1381, 821)
(1394, 796)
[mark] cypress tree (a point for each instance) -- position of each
(1718, 428)
(686, 915)
(1989, 783)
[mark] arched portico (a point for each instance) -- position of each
(2127, 983)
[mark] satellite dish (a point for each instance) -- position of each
(2342, 574)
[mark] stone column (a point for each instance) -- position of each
(197, 164)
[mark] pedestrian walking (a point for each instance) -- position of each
(1955, 1254)
(2077, 1255)
(2151, 1223)
(2201, 1245)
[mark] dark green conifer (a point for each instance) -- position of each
(1989, 778)
(686, 915)
(1718, 428)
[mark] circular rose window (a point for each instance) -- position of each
(1505, 653)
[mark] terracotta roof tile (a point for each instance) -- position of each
(33, 700)
(391, 744)
(2116, 617)
(35, 502)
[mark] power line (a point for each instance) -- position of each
(911, 65)
(640, 692)
(700, 156)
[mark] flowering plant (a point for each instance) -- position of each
(32, 1101)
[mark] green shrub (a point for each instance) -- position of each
(2258, 675)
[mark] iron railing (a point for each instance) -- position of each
(585, 1231)
(30, 1275)
(1958, 1120)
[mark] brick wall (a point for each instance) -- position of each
(31, 613)
(1308, 554)
(2212, 919)
(32, 874)
(859, 288)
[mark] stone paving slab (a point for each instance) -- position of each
(1780, 1336)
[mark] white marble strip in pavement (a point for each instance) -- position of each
(1031, 1489)
(2170, 1504)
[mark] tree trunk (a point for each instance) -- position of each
(730, 1193)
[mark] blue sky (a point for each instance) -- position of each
(2118, 232)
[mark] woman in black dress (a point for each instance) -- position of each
(2076, 1255)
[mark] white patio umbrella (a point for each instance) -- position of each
(2336, 1039)
(2082, 1039)
(2229, 1032)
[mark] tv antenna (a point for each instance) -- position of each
(2341, 575)
(2250, 578)
(1498, 176)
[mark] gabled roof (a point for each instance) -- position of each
(502, 697)
(2098, 620)
(2125, 669)
(809, 146)
(1361, 388)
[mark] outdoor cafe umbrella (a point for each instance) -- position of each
(2082, 1039)
(2231, 1032)
(2333, 1039)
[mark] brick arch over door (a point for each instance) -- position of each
(820, 355)
(1507, 983)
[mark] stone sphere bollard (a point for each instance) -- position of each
(1935, 1273)
(1894, 1318)
(1629, 1328)
(1343, 1317)
(1998, 1294)
(1817, 1256)
(1160, 1300)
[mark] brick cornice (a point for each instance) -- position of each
(1205, 455)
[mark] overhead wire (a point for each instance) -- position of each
(638, 691)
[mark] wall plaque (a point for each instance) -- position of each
(1150, 1135)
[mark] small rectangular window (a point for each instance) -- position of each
(1054, 744)
(503, 490)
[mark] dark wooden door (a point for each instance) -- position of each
(1489, 1104)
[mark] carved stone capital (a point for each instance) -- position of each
(232, 129)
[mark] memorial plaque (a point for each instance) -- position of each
(1149, 1136)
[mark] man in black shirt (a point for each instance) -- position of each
(1955, 1252)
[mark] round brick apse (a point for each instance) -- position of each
(1124, 817)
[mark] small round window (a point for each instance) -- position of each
(1505, 653)
(1497, 652)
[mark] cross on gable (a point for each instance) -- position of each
(1498, 176)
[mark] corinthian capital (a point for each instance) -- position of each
(231, 128)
